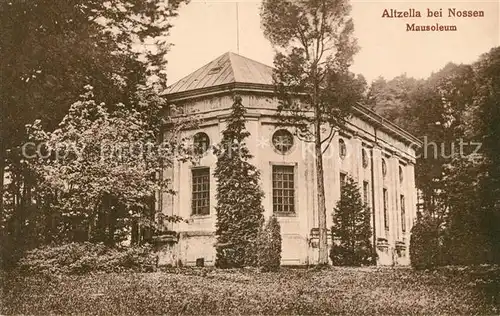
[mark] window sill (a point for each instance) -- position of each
(200, 217)
(285, 214)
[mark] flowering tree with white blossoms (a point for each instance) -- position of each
(103, 167)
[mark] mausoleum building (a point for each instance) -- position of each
(379, 155)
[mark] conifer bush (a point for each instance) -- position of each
(424, 244)
(269, 246)
(239, 196)
(351, 230)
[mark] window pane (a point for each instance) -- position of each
(386, 219)
(403, 214)
(365, 192)
(282, 141)
(201, 191)
(201, 143)
(342, 179)
(283, 189)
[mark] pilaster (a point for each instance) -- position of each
(356, 161)
(377, 186)
(396, 210)
(412, 195)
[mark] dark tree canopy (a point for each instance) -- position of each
(487, 103)
(391, 98)
(455, 113)
(49, 51)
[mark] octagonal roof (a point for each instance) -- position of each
(227, 68)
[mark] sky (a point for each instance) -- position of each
(207, 29)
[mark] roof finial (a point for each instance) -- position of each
(237, 30)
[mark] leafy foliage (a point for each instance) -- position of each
(118, 47)
(351, 230)
(464, 239)
(440, 110)
(453, 111)
(315, 47)
(80, 258)
(239, 196)
(269, 246)
(64, 45)
(487, 107)
(392, 98)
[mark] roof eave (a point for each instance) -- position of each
(220, 89)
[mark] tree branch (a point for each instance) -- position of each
(333, 132)
(303, 40)
(322, 33)
(329, 135)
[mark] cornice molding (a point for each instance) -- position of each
(228, 88)
(360, 110)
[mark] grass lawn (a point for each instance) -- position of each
(352, 291)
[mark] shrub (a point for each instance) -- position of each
(351, 231)
(269, 246)
(80, 258)
(344, 256)
(424, 244)
(10, 252)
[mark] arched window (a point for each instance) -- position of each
(384, 168)
(342, 149)
(282, 141)
(401, 175)
(201, 143)
(364, 157)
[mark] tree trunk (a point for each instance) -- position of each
(112, 218)
(18, 206)
(323, 245)
(134, 234)
(2, 175)
(29, 213)
(93, 221)
(48, 229)
(102, 220)
(89, 228)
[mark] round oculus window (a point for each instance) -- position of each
(384, 168)
(201, 143)
(282, 141)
